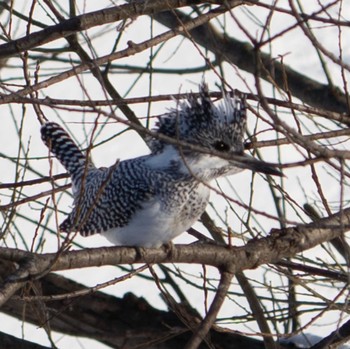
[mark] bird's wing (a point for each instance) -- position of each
(108, 201)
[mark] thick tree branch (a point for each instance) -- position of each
(87, 21)
(243, 55)
(128, 321)
(279, 244)
(335, 339)
(10, 342)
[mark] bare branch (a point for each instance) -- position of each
(243, 55)
(103, 317)
(205, 326)
(87, 21)
(280, 244)
(8, 341)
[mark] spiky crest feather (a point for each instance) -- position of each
(197, 118)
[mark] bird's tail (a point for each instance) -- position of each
(63, 147)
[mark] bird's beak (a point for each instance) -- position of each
(248, 162)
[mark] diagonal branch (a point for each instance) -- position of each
(243, 55)
(203, 329)
(335, 339)
(248, 290)
(87, 21)
(131, 50)
(8, 341)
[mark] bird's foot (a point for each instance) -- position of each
(168, 247)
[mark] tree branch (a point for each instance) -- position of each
(281, 243)
(8, 341)
(131, 50)
(242, 55)
(205, 325)
(128, 321)
(335, 339)
(87, 21)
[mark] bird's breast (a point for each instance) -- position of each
(162, 218)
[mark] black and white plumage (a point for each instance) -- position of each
(149, 200)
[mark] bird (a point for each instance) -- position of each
(149, 200)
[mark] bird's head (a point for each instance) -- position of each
(215, 132)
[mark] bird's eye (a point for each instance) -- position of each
(221, 146)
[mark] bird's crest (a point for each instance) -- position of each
(197, 118)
